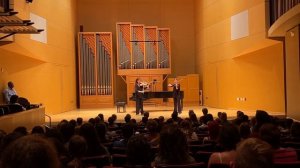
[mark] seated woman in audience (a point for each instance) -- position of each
(127, 132)
(271, 134)
(153, 136)
(186, 128)
(173, 147)
(138, 151)
(244, 130)
(253, 153)
(94, 146)
(101, 131)
(77, 148)
(213, 132)
(193, 118)
(228, 139)
(294, 133)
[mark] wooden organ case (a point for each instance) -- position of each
(95, 72)
(143, 52)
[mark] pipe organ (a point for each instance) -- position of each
(95, 69)
(143, 49)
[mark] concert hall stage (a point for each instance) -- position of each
(155, 111)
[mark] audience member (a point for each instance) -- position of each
(127, 131)
(173, 147)
(254, 153)
(8, 92)
(153, 136)
(94, 147)
(30, 152)
(38, 130)
(271, 134)
(244, 130)
(228, 139)
(138, 151)
(186, 128)
(127, 118)
(77, 148)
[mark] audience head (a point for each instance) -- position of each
(295, 129)
(161, 119)
(127, 131)
(77, 146)
(22, 130)
(101, 116)
(204, 111)
(271, 134)
(253, 153)
(30, 152)
(38, 130)
(127, 118)
(175, 116)
(223, 117)
(138, 151)
(144, 120)
(262, 117)
(114, 116)
(101, 131)
(146, 114)
(191, 112)
(244, 130)
(92, 121)
(213, 130)
(219, 115)
(13, 99)
(229, 136)
(10, 85)
(173, 147)
(111, 120)
(152, 126)
(79, 121)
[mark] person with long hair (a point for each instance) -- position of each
(139, 92)
(176, 96)
(173, 147)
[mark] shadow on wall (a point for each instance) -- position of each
(12, 63)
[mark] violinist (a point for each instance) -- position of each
(139, 92)
(176, 96)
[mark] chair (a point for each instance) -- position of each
(5, 110)
(119, 150)
(202, 156)
(219, 166)
(97, 161)
(120, 104)
(14, 108)
(287, 164)
(119, 159)
(193, 165)
(295, 145)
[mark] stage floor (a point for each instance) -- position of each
(155, 111)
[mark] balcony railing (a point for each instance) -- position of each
(280, 7)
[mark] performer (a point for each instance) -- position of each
(176, 96)
(9, 92)
(139, 92)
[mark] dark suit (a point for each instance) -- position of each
(139, 99)
(177, 98)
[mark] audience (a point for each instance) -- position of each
(165, 142)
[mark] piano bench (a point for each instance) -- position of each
(119, 105)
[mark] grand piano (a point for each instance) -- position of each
(159, 94)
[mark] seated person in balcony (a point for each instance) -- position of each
(9, 91)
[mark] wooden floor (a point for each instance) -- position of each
(155, 111)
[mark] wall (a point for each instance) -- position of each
(292, 40)
(44, 73)
(248, 69)
(178, 15)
